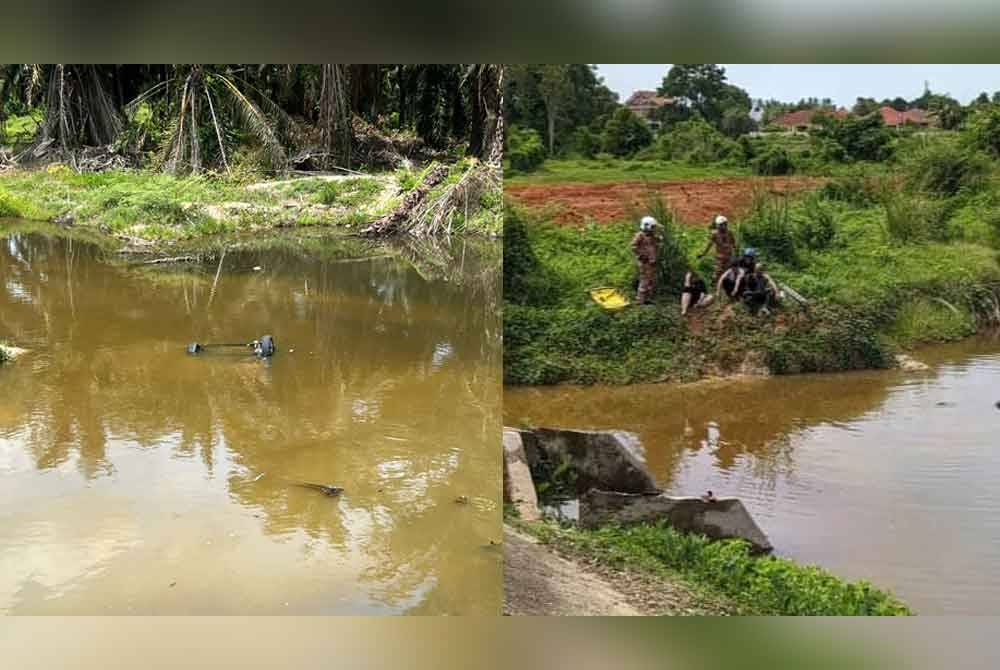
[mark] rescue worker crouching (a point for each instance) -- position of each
(644, 250)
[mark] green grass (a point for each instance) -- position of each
(872, 296)
(618, 169)
(348, 192)
(761, 585)
(162, 207)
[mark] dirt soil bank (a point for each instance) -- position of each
(695, 202)
(538, 581)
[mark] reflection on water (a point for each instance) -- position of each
(879, 475)
(136, 478)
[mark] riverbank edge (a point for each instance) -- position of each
(154, 209)
(553, 333)
(724, 577)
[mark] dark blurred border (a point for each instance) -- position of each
(848, 31)
(155, 643)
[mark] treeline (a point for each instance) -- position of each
(566, 111)
(187, 118)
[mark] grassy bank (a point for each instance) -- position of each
(612, 169)
(160, 207)
(756, 585)
(884, 272)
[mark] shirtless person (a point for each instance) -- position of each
(725, 244)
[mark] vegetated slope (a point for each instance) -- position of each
(883, 272)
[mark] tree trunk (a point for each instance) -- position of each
(394, 221)
(335, 116)
(550, 114)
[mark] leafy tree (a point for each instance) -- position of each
(855, 138)
(865, 106)
(524, 149)
(702, 85)
(697, 142)
(982, 131)
(625, 133)
(736, 122)
(555, 100)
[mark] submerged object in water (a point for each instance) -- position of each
(609, 298)
(265, 347)
(325, 489)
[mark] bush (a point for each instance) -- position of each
(767, 585)
(945, 169)
(697, 142)
(982, 131)
(625, 133)
(817, 229)
(348, 192)
(857, 188)
(525, 150)
(854, 138)
(772, 161)
(911, 219)
(10, 206)
(586, 143)
(769, 227)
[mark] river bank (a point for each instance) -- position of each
(872, 296)
(881, 475)
(146, 207)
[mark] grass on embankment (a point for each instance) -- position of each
(160, 207)
(617, 169)
(758, 585)
(872, 295)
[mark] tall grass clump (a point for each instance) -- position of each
(945, 169)
(769, 227)
(911, 218)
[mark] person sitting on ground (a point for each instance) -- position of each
(724, 242)
(761, 292)
(694, 294)
(731, 280)
(644, 250)
(729, 283)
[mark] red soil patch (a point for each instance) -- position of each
(696, 202)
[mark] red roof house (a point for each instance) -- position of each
(803, 119)
(895, 119)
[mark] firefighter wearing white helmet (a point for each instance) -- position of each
(725, 245)
(644, 250)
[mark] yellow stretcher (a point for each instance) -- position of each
(609, 298)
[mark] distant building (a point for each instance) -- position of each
(802, 120)
(645, 103)
(914, 117)
(757, 113)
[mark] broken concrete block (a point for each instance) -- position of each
(611, 460)
(724, 518)
(518, 487)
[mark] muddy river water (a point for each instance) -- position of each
(888, 476)
(136, 479)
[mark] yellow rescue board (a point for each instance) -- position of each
(609, 298)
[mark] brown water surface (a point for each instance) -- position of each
(137, 479)
(887, 476)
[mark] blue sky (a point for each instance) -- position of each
(842, 83)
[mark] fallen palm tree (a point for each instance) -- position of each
(396, 221)
(427, 210)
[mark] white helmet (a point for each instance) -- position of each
(647, 223)
(720, 220)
